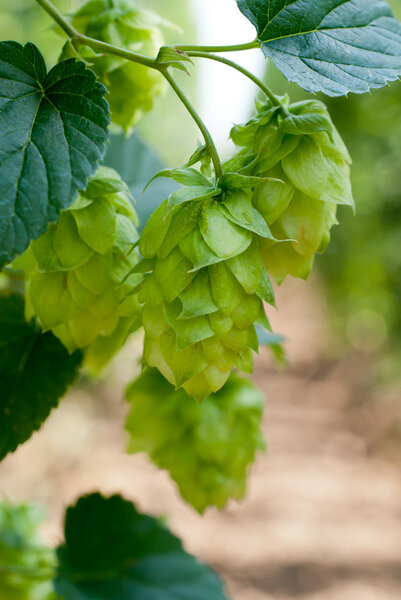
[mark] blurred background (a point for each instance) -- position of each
(322, 518)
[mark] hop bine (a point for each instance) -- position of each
(207, 449)
(306, 153)
(78, 281)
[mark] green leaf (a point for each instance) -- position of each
(330, 46)
(113, 551)
(54, 133)
(35, 371)
(183, 175)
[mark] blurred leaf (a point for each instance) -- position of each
(25, 563)
(137, 164)
(113, 551)
(35, 371)
(331, 46)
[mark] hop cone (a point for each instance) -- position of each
(132, 86)
(207, 449)
(306, 153)
(77, 281)
(204, 287)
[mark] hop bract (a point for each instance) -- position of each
(77, 273)
(306, 154)
(204, 284)
(132, 86)
(207, 449)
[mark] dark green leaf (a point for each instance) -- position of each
(35, 371)
(330, 46)
(53, 136)
(112, 551)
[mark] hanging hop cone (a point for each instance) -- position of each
(305, 152)
(132, 86)
(207, 449)
(204, 282)
(77, 273)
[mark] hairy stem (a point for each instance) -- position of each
(78, 38)
(205, 132)
(245, 72)
(235, 48)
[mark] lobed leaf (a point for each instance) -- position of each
(35, 371)
(330, 46)
(113, 551)
(53, 136)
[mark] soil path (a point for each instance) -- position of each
(322, 518)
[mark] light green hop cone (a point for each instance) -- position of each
(306, 153)
(207, 449)
(132, 87)
(78, 281)
(204, 287)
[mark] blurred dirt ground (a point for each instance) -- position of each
(322, 518)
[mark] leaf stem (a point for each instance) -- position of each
(234, 48)
(205, 132)
(272, 97)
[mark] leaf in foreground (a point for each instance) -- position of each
(53, 135)
(330, 46)
(113, 551)
(35, 371)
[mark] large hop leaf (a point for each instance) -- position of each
(305, 153)
(204, 286)
(78, 273)
(207, 449)
(132, 86)
(111, 551)
(22, 555)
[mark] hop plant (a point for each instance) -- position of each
(306, 154)
(207, 449)
(78, 281)
(204, 283)
(132, 87)
(22, 555)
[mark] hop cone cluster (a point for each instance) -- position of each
(20, 548)
(306, 153)
(77, 273)
(132, 86)
(207, 449)
(204, 284)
